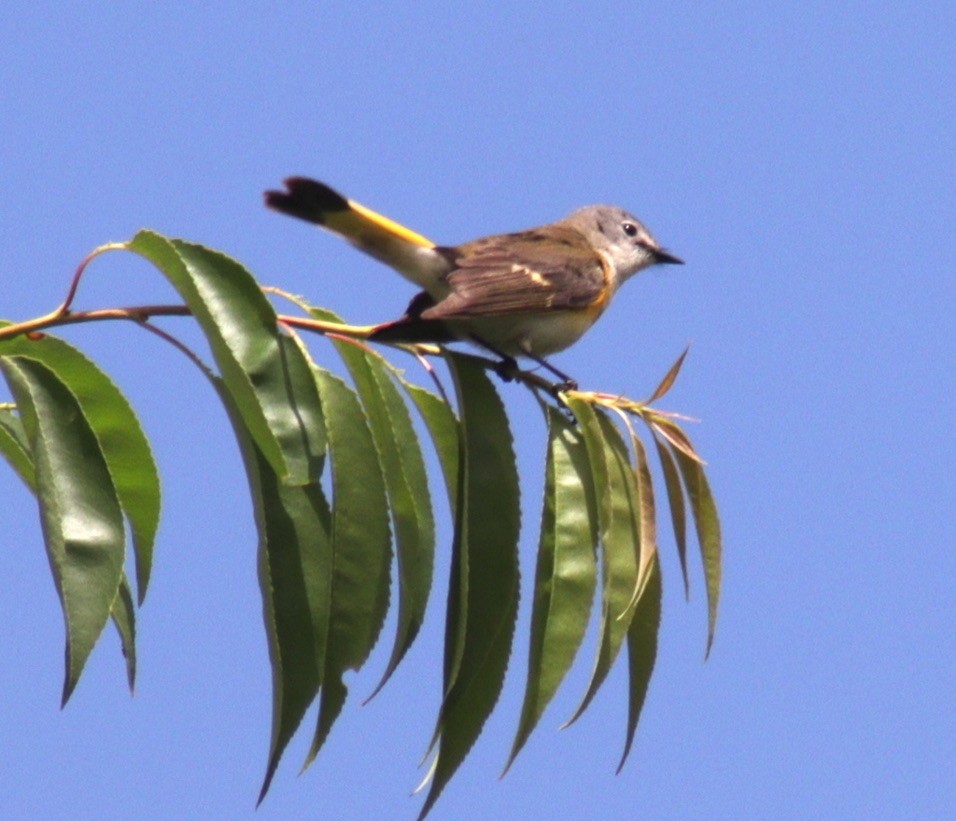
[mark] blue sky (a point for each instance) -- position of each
(802, 161)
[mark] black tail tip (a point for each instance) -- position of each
(306, 199)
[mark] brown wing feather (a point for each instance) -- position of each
(531, 271)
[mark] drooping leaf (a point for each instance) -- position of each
(708, 533)
(642, 650)
(644, 486)
(124, 445)
(15, 448)
(620, 538)
(361, 546)
(295, 569)
(566, 573)
(587, 419)
(675, 501)
(81, 515)
(406, 484)
(124, 619)
(442, 426)
(646, 601)
(483, 601)
(279, 407)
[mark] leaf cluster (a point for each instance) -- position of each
(343, 509)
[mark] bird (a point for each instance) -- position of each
(530, 293)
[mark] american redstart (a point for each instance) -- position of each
(531, 293)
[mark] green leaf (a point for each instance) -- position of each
(587, 419)
(619, 518)
(645, 623)
(566, 573)
(406, 484)
(708, 533)
(294, 571)
(642, 650)
(124, 619)
(81, 515)
(675, 500)
(647, 531)
(124, 445)
(15, 448)
(269, 381)
(295, 568)
(442, 426)
(483, 600)
(361, 546)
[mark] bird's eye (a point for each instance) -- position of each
(630, 229)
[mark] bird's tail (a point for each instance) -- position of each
(406, 251)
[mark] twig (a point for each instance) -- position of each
(137, 313)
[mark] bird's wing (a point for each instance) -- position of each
(531, 271)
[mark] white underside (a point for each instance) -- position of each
(518, 334)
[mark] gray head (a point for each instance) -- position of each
(623, 238)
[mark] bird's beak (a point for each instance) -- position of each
(662, 257)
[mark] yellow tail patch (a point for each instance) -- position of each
(367, 215)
